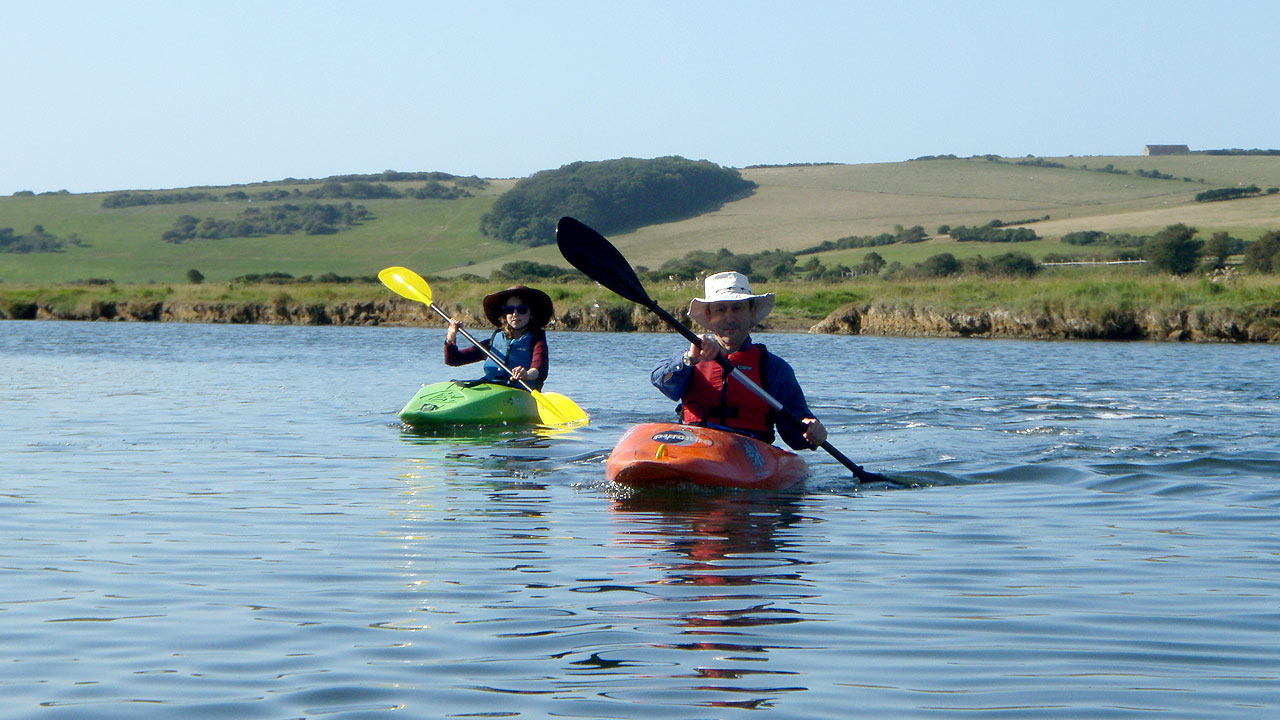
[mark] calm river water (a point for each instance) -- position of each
(207, 521)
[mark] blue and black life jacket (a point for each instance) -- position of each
(513, 353)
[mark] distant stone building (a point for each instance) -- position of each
(1166, 150)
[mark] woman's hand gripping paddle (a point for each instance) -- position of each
(589, 251)
(553, 408)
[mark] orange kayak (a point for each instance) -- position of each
(660, 454)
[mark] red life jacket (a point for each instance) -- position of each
(713, 398)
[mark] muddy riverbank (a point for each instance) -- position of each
(1185, 325)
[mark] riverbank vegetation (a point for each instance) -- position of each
(1072, 295)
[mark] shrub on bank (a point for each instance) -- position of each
(1263, 255)
(1174, 250)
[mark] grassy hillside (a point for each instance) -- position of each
(801, 206)
(794, 207)
(125, 244)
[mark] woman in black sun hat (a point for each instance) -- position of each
(519, 313)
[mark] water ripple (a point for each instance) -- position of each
(237, 528)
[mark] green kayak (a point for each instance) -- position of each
(455, 403)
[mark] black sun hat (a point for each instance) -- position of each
(539, 305)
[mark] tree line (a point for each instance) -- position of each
(993, 231)
(1238, 151)
(1098, 237)
(1175, 249)
(330, 189)
(1033, 161)
(781, 265)
(133, 199)
(471, 181)
(611, 196)
(913, 234)
(1232, 193)
(311, 219)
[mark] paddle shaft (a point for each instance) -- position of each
(475, 342)
(760, 392)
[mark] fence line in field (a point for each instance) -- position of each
(1096, 262)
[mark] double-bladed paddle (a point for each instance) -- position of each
(597, 258)
(553, 408)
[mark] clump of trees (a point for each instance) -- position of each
(35, 241)
(611, 196)
(1177, 250)
(312, 219)
(362, 190)
(1174, 249)
(387, 176)
(438, 191)
(1033, 161)
(265, 195)
(1097, 237)
(356, 190)
(993, 231)
(1010, 264)
(1232, 193)
(1218, 248)
(528, 271)
(769, 264)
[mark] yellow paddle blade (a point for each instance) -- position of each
(406, 283)
(556, 409)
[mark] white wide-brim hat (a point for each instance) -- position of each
(727, 287)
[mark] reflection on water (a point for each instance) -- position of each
(528, 436)
(725, 574)
(708, 526)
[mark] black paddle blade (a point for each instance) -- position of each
(599, 260)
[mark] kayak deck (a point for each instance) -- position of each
(453, 403)
(664, 454)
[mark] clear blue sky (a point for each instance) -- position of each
(136, 95)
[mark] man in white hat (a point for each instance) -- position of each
(707, 395)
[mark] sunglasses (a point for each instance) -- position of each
(520, 309)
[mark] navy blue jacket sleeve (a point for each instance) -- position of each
(784, 387)
(672, 376)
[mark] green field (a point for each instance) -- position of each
(125, 244)
(794, 207)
